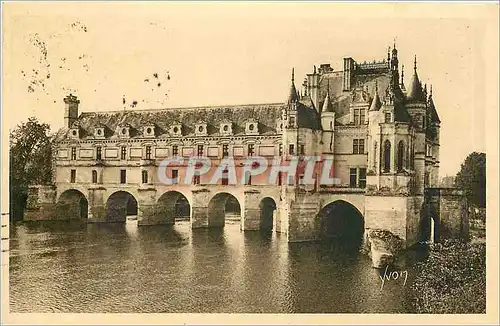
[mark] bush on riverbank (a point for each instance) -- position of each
(452, 279)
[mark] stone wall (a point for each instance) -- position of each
(387, 213)
(449, 207)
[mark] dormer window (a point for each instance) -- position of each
(124, 131)
(149, 131)
(74, 133)
(226, 129)
(176, 129)
(252, 128)
(388, 117)
(201, 129)
(99, 132)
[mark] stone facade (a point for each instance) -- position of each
(383, 140)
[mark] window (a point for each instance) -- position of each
(291, 149)
(175, 176)
(250, 150)
(407, 158)
(280, 178)
(359, 116)
(144, 176)
(401, 153)
(387, 156)
(73, 153)
(362, 178)
(357, 177)
(73, 176)
(302, 149)
(123, 176)
(148, 152)
(94, 176)
(353, 176)
(387, 117)
(423, 121)
(225, 180)
(175, 150)
(196, 179)
(280, 150)
(98, 154)
(225, 150)
(358, 146)
(428, 150)
(292, 121)
(200, 150)
(412, 156)
(124, 153)
(248, 178)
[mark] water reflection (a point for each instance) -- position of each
(75, 267)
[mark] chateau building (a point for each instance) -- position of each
(381, 134)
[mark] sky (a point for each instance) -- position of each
(196, 54)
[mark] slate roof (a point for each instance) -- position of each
(267, 116)
(307, 116)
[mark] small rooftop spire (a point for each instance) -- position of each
(430, 92)
(293, 95)
(415, 63)
(327, 105)
(376, 104)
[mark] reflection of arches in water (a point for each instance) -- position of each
(120, 205)
(267, 210)
(172, 206)
(73, 204)
(221, 205)
(341, 220)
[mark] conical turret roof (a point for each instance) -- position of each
(327, 105)
(376, 103)
(415, 92)
(292, 95)
(432, 109)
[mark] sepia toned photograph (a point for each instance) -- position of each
(249, 158)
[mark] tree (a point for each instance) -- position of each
(472, 178)
(30, 162)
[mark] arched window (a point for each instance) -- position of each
(387, 156)
(401, 155)
(94, 176)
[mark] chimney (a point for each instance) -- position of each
(349, 65)
(70, 110)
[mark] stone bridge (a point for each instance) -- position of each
(303, 215)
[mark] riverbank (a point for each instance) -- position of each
(453, 278)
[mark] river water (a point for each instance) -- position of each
(91, 268)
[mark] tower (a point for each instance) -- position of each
(416, 107)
